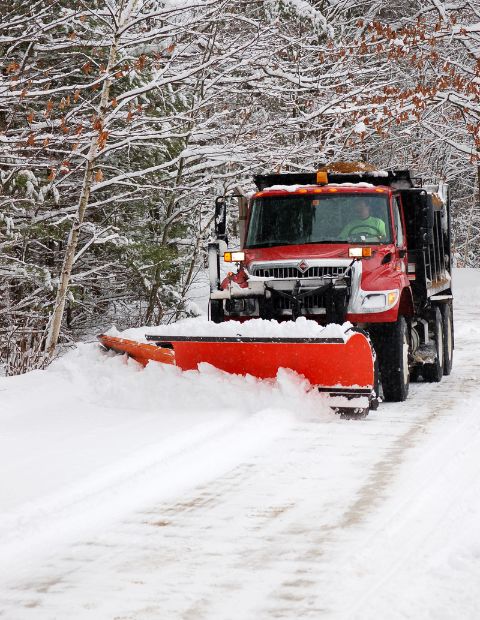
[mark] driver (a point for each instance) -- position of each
(364, 223)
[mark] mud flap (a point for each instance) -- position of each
(344, 368)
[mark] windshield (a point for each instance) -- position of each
(314, 218)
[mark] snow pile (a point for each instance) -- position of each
(286, 188)
(255, 328)
(109, 380)
(295, 188)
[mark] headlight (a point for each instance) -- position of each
(373, 301)
(359, 252)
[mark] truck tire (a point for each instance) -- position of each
(448, 344)
(394, 368)
(433, 373)
(216, 311)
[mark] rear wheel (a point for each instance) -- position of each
(434, 372)
(394, 369)
(447, 320)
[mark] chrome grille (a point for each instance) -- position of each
(308, 303)
(282, 273)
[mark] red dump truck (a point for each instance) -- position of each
(372, 248)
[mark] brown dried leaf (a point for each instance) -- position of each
(102, 139)
(99, 175)
(12, 67)
(141, 62)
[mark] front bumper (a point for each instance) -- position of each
(335, 296)
(286, 298)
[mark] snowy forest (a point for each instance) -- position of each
(122, 120)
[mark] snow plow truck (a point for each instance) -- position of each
(370, 248)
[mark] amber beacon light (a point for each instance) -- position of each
(234, 257)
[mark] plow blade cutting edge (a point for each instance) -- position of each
(343, 368)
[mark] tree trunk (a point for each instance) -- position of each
(70, 250)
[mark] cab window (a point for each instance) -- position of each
(397, 220)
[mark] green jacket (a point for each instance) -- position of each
(372, 227)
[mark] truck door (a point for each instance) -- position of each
(400, 239)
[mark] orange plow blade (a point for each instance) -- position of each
(344, 368)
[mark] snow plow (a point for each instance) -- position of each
(366, 249)
(341, 365)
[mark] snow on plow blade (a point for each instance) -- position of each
(343, 368)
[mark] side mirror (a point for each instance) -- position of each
(221, 218)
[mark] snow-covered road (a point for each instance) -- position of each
(134, 495)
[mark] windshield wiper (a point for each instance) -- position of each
(322, 241)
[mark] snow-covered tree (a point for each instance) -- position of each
(121, 120)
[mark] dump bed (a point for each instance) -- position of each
(428, 227)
